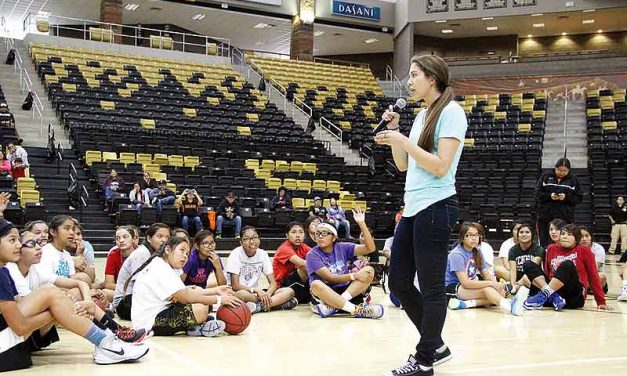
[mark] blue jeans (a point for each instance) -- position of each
(421, 247)
(185, 222)
(343, 223)
(237, 222)
(164, 201)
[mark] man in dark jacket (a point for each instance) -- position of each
(557, 194)
(162, 196)
(229, 213)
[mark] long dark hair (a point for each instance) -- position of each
(434, 67)
(56, 222)
(532, 229)
(152, 230)
(173, 242)
(200, 236)
(476, 254)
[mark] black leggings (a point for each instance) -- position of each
(572, 291)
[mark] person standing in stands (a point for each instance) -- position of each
(6, 117)
(337, 216)
(190, 209)
(228, 213)
(557, 194)
(281, 201)
(5, 166)
(430, 156)
(618, 217)
(317, 210)
(19, 160)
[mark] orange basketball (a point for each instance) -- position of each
(235, 318)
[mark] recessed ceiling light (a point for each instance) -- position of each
(487, 18)
(529, 36)
(599, 31)
(198, 17)
(318, 33)
(564, 33)
(492, 28)
(447, 31)
(590, 21)
(371, 40)
(131, 7)
(588, 10)
(538, 25)
(261, 25)
(440, 21)
(537, 15)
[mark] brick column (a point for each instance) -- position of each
(111, 11)
(302, 42)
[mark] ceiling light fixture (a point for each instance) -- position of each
(131, 7)
(590, 21)
(318, 33)
(599, 31)
(198, 17)
(440, 21)
(371, 40)
(492, 28)
(537, 15)
(538, 25)
(447, 31)
(487, 18)
(564, 33)
(589, 10)
(529, 36)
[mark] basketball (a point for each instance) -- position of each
(235, 318)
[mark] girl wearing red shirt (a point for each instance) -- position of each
(570, 269)
(289, 262)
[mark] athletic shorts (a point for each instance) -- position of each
(359, 299)
(301, 289)
(176, 318)
(14, 351)
(123, 309)
(452, 291)
(38, 342)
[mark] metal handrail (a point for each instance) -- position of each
(223, 44)
(565, 119)
(388, 72)
(333, 129)
(342, 62)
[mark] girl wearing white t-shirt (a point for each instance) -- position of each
(162, 302)
(587, 239)
(54, 257)
(245, 265)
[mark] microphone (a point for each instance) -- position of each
(399, 105)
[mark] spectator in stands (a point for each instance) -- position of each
(557, 194)
(228, 213)
(113, 184)
(618, 218)
(116, 258)
(5, 166)
(337, 217)
(148, 183)
(19, 160)
(464, 267)
(317, 210)
(162, 196)
(203, 260)
(156, 235)
(570, 270)
(40, 229)
(526, 249)
(281, 201)
(310, 230)
(245, 266)
(190, 209)
(587, 240)
(555, 229)
(333, 286)
(82, 252)
(138, 197)
(501, 266)
(6, 117)
(289, 262)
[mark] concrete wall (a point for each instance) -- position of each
(377, 62)
(615, 42)
(124, 49)
(501, 45)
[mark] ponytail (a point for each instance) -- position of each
(477, 257)
(427, 136)
(173, 242)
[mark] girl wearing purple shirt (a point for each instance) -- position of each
(203, 261)
(333, 286)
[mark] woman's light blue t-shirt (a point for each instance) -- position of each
(423, 189)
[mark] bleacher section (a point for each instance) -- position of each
(607, 153)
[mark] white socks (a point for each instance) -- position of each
(506, 305)
(470, 303)
(348, 307)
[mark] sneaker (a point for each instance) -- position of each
(131, 335)
(210, 328)
(440, 357)
(535, 302)
(324, 310)
(237, 237)
(557, 301)
(518, 301)
(622, 297)
(290, 304)
(112, 350)
(218, 236)
(369, 311)
(455, 303)
(411, 368)
(254, 307)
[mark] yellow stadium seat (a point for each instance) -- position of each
(524, 127)
(25, 183)
(29, 196)
(319, 185)
(469, 142)
(263, 174)
(191, 161)
(298, 203)
(289, 183)
(607, 125)
(127, 158)
(160, 159)
(43, 25)
(147, 123)
(303, 185)
(191, 112)
(363, 205)
(282, 166)
(69, 87)
(333, 186)
(213, 100)
(107, 105)
(95, 33)
(267, 164)
(273, 183)
(539, 114)
(143, 158)
(176, 160)
(159, 175)
(345, 125)
(244, 131)
(171, 186)
(310, 167)
(345, 195)
(252, 164)
(92, 156)
(252, 117)
(296, 166)
(212, 49)
(109, 156)
(593, 112)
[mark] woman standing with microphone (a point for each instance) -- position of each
(430, 156)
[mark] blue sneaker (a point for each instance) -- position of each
(518, 301)
(535, 302)
(557, 301)
(455, 303)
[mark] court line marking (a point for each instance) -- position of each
(539, 365)
(181, 359)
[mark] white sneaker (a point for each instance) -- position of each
(113, 350)
(212, 328)
(518, 301)
(622, 297)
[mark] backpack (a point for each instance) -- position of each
(28, 102)
(211, 215)
(10, 57)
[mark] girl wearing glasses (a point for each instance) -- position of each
(203, 261)
(333, 286)
(464, 288)
(245, 266)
